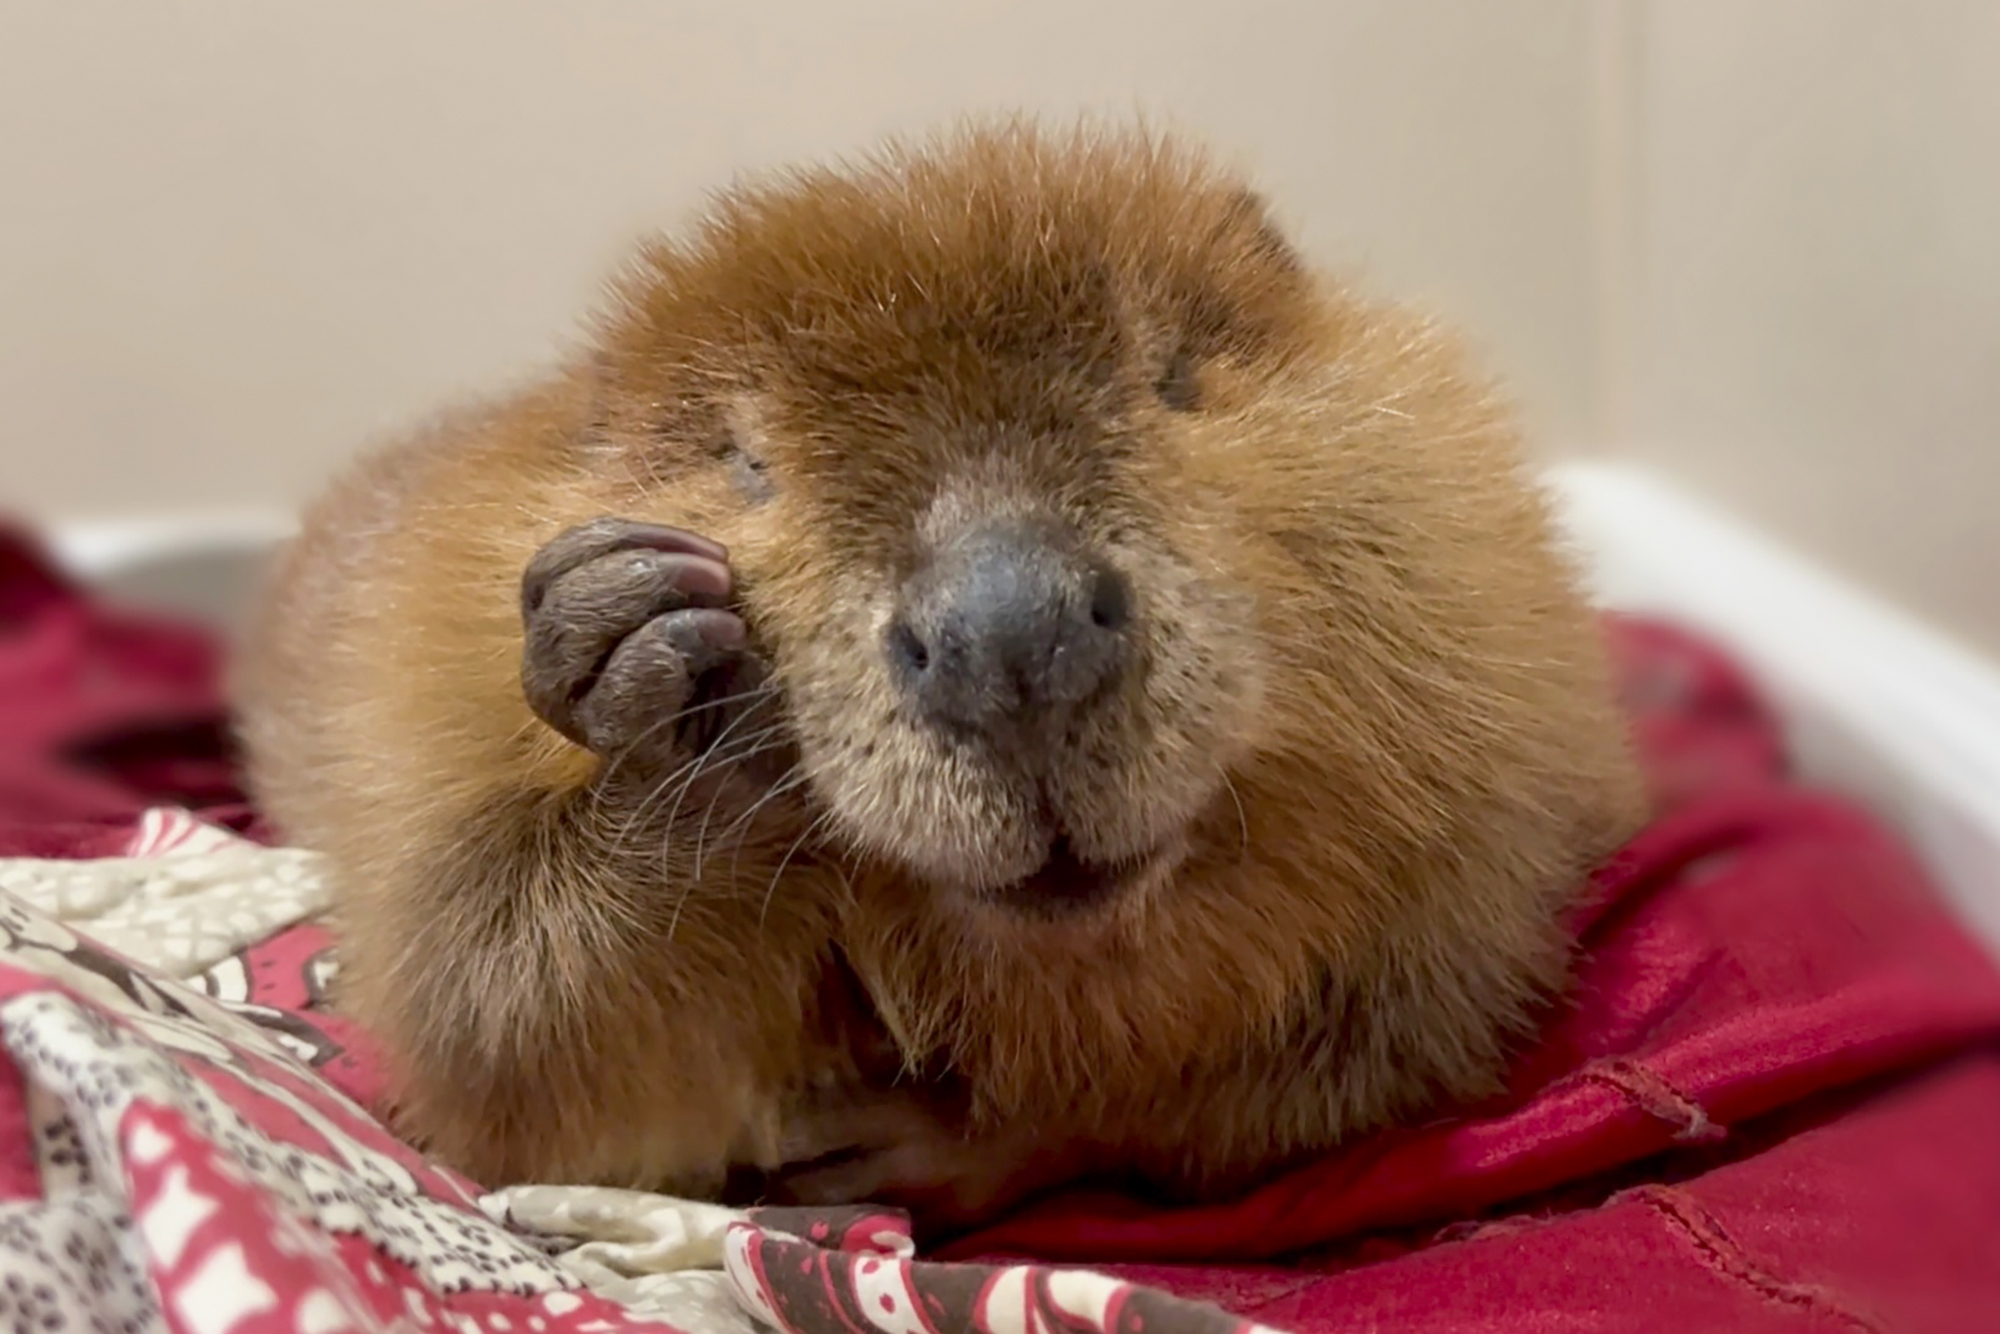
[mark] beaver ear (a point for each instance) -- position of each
(1248, 215)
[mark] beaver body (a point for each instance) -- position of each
(984, 666)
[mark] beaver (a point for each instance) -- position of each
(983, 666)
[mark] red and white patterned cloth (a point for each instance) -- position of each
(193, 1158)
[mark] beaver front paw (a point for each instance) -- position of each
(631, 650)
(903, 1149)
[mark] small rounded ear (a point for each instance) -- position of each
(1249, 215)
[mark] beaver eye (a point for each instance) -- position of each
(751, 474)
(1177, 386)
(735, 444)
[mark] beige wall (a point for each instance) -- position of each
(1750, 241)
(240, 236)
(1818, 244)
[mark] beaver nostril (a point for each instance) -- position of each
(1110, 600)
(907, 650)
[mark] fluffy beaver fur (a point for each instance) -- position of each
(607, 702)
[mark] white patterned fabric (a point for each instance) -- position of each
(186, 897)
(180, 1160)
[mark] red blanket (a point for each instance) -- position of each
(1774, 1103)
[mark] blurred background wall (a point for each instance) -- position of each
(1817, 260)
(1751, 242)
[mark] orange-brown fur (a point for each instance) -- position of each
(1376, 738)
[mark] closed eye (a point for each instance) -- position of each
(1178, 386)
(751, 475)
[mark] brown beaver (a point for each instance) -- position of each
(983, 666)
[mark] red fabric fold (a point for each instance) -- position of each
(1754, 951)
(103, 713)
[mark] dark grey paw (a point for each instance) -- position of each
(630, 649)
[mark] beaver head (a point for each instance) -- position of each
(1116, 566)
(970, 405)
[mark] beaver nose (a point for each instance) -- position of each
(1008, 624)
